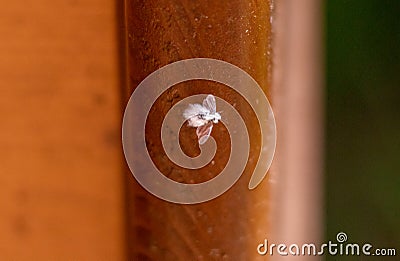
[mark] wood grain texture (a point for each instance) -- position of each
(61, 195)
(158, 33)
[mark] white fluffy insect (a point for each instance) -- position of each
(202, 117)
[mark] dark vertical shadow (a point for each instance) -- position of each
(124, 96)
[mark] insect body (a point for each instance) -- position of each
(202, 117)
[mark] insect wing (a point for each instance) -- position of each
(209, 103)
(195, 110)
(203, 132)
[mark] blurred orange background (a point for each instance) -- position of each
(60, 160)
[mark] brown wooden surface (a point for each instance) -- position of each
(62, 179)
(158, 33)
(61, 193)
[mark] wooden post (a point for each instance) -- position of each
(161, 32)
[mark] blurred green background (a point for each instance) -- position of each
(363, 123)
